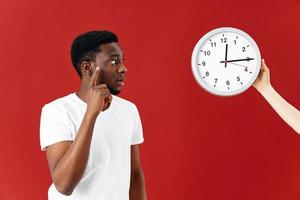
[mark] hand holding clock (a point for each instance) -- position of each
(263, 80)
(284, 109)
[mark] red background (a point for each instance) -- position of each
(197, 146)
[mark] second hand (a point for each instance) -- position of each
(237, 64)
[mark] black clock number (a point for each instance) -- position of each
(228, 82)
(213, 44)
(203, 63)
(246, 69)
(223, 40)
(215, 82)
(207, 73)
(238, 78)
(206, 53)
(243, 49)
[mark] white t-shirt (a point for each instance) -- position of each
(107, 175)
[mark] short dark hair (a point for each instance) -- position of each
(86, 45)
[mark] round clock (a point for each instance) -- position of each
(226, 61)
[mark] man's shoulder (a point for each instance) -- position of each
(59, 103)
(123, 102)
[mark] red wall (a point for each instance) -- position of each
(197, 146)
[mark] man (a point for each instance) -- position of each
(284, 109)
(91, 136)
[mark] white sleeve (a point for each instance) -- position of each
(137, 137)
(54, 126)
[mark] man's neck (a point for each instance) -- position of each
(83, 91)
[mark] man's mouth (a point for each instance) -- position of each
(121, 81)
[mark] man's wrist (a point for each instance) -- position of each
(91, 115)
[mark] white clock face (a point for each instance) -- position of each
(226, 61)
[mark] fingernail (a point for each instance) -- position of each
(97, 68)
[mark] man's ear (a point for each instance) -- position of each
(86, 68)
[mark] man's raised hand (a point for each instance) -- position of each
(99, 97)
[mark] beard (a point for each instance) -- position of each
(114, 91)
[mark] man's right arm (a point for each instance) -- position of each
(67, 160)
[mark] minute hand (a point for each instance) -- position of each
(238, 60)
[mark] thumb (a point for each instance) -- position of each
(263, 65)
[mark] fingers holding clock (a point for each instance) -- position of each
(264, 66)
(265, 72)
(263, 79)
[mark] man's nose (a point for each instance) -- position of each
(122, 68)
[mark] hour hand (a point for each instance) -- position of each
(226, 50)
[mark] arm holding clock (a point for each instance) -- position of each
(284, 109)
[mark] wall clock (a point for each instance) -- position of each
(226, 61)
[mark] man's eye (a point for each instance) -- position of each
(114, 62)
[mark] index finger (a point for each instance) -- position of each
(94, 78)
(99, 76)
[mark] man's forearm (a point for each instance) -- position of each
(137, 187)
(284, 109)
(70, 168)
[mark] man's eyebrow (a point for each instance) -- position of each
(116, 55)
